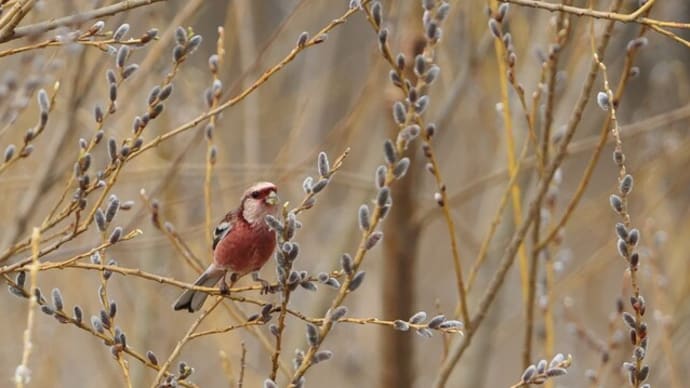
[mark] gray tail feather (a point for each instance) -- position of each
(192, 300)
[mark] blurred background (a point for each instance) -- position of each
(332, 96)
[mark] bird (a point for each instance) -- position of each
(242, 244)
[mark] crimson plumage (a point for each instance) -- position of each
(242, 243)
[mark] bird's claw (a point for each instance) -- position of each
(268, 288)
(224, 289)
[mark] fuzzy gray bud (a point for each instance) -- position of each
(495, 28)
(637, 43)
(323, 164)
(364, 218)
(43, 101)
(432, 74)
(401, 325)
(347, 263)
(373, 239)
(181, 36)
(322, 355)
(177, 53)
(96, 27)
(399, 112)
(165, 92)
(502, 11)
(417, 317)
(112, 209)
(338, 313)
(381, 176)
(528, 374)
(451, 324)
(213, 63)
(319, 185)
(99, 217)
(274, 223)
(57, 299)
(312, 335)
(626, 184)
(621, 231)
(383, 38)
(421, 104)
(77, 314)
(121, 57)
(112, 92)
(112, 149)
(356, 281)
(152, 357)
(98, 114)
(47, 310)
(115, 235)
(389, 152)
(129, 70)
(194, 44)
(268, 383)
(9, 152)
(97, 324)
(603, 101)
(383, 197)
(400, 168)
(302, 40)
(436, 321)
(616, 203)
(21, 279)
(121, 32)
(420, 65)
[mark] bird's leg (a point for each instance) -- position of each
(266, 287)
(224, 288)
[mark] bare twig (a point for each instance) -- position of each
(178, 348)
(22, 374)
(38, 28)
(459, 347)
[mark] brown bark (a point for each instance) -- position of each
(400, 250)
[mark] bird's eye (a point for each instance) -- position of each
(255, 194)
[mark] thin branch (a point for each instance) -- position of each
(23, 373)
(16, 14)
(243, 365)
(484, 248)
(84, 41)
(38, 28)
(210, 148)
(434, 167)
(458, 348)
(603, 138)
(635, 17)
(510, 152)
(178, 348)
(319, 38)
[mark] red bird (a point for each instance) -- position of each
(242, 244)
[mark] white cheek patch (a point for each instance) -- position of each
(252, 210)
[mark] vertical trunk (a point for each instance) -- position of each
(401, 240)
(400, 249)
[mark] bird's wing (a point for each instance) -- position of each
(224, 227)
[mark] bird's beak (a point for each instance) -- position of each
(272, 198)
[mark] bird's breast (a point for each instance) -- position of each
(245, 248)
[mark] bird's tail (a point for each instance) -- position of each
(193, 300)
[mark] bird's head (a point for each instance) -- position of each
(258, 201)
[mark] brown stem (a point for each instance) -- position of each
(509, 255)
(38, 28)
